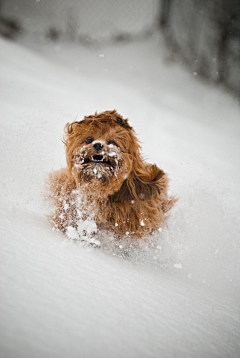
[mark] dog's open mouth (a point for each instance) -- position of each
(97, 158)
(101, 165)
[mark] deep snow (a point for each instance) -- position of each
(176, 296)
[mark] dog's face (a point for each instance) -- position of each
(100, 152)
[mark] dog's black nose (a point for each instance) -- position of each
(98, 146)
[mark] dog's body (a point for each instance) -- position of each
(107, 180)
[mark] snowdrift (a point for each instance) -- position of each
(175, 295)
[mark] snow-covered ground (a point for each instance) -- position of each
(176, 296)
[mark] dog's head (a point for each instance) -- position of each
(103, 155)
(100, 151)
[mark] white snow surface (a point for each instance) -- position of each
(174, 295)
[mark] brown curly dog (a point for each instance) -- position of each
(107, 181)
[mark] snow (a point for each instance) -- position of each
(175, 295)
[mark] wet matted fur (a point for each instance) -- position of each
(107, 179)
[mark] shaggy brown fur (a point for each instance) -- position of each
(107, 179)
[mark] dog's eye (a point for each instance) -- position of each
(89, 140)
(112, 142)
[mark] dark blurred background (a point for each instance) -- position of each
(202, 34)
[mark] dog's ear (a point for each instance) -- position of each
(143, 186)
(148, 181)
(70, 138)
(69, 130)
(150, 185)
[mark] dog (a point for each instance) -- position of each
(107, 180)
